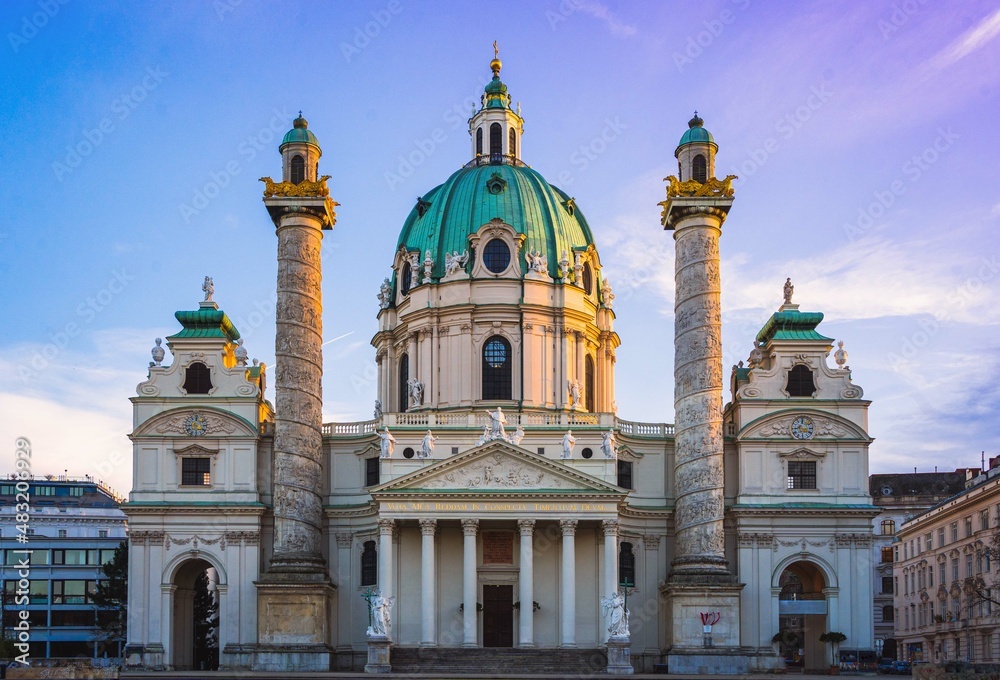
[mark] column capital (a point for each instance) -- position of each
(428, 527)
(470, 526)
(651, 542)
(610, 527)
(344, 540)
(387, 526)
(526, 526)
(568, 526)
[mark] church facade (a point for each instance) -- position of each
(496, 498)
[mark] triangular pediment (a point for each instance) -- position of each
(497, 466)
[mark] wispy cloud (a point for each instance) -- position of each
(972, 40)
(607, 17)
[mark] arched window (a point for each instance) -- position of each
(800, 381)
(369, 564)
(298, 169)
(404, 278)
(626, 565)
(404, 378)
(197, 379)
(496, 142)
(699, 169)
(479, 141)
(588, 279)
(512, 143)
(588, 387)
(497, 369)
(888, 527)
(496, 256)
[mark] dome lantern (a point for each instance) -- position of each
(695, 152)
(300, 153)
(496, 128)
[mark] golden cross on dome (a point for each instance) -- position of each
(496, 50)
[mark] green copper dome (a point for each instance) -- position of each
(447, 215)
(696, 132)
(299, 133)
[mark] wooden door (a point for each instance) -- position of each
(498, 616)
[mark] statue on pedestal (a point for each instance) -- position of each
(608, 444)
(618, 621)
(427, 445)
(388, 443)
(497, 421)
(381, 618)
(568, 441)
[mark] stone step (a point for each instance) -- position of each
(497, 660)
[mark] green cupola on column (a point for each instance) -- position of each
(496, 128)
(696, 152)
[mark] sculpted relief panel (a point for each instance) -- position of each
(496, 472)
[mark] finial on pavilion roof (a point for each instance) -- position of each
(496, 64)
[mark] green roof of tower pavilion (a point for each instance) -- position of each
(205, 322)
(792, 324)
(696, 132)
(547, 216)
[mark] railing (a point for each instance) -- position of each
(85, 479)
(477, 419)
(495, 159)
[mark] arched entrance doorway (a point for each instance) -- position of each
(195, 633)
(802, 610)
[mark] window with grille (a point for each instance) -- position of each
(479, 141)
(800, 381)
(298, 169)
(369, 564)
(625, 474)
(626, 565)
(197, 379)
(371, 472)
(699, 169)
(496, 256)
(801, 474)
(196, 471)
(512, 143)
(497, 369)
(404, 379)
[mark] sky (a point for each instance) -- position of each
(864, 136)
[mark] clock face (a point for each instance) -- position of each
(196, 425)
(802, 428)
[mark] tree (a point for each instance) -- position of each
(206, 624)
(111, 598)
(834, 638)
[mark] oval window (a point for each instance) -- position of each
(496, 256)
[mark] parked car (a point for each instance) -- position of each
(900, 668)
(884, 666)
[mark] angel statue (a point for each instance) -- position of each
(618, 621)
(381, 607)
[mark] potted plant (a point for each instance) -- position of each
(833, 638)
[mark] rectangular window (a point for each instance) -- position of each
(76, 491)
(930, 577)
(801, 474)
(74, 557)
(62, 533)
(73, 617)
(196, 472)
(984, 519)
(929, 541)
(887, 555)
(968, 527)
(887, 585)
(71, 592)
(102, 533)
(954, 569)
(43, 490)
(941, 574)
(954, 531)
(625, 474)
(895, 585)
(371, 471)
(941, 537)
(369, 564)
(107, 556)
(906, 552)
(968, 566)
(920, 545)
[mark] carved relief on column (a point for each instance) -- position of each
(698, 468)
(568, 526)
(526, 526)
(469, 527)
(428, 527)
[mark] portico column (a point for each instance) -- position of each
(469, 583)
(428, 577)
(526, 582)
(567, 602)
(386, 528)
(610, 527)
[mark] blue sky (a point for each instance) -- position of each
(864, 135)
